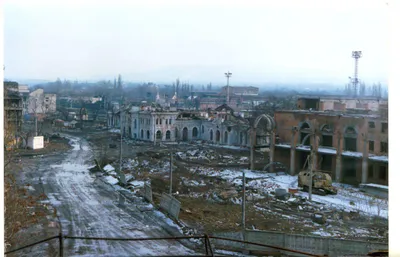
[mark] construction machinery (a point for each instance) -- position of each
(321, 182)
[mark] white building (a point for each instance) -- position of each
(40, 103)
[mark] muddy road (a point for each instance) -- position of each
(87, 206)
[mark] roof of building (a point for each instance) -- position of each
(339, 97)
(331, 113)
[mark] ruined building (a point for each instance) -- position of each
(220, 126)
(13, 107)
(350, 137)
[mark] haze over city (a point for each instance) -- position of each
(259, 43)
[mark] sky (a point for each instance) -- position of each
(258, 41)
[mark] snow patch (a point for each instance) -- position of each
(111, 180)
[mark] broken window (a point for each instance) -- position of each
(370, 171)
(159, 135)
(383, 172)
(311, 104)
(371, 124)
(168, 135)
(350, 144)
(371, 146)
(384, 127)
(384, 147)
(327, 140)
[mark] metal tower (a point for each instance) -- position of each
(227, 75)
(356, 55)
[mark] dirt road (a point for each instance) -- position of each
(89, 207)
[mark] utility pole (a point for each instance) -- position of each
(170, 174)
(356, 55)
(244, 202)
(227, 75)
(310, 168)
(121, 174)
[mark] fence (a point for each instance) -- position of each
(171, 205)
(206, 239)
(311, 244)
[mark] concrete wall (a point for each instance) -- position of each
(309, 244)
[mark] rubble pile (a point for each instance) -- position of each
(209, 156)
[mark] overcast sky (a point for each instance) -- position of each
(307, 42)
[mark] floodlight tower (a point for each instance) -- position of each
(227, 75)
(356, 55)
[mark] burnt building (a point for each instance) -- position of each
(352, 146)
(13, 107)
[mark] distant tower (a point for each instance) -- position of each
(158, 95)
(227, 75)
(356, 55)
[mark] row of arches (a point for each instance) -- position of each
(326, 133)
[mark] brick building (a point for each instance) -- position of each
(353, 148)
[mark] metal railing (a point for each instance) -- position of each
(207, 244)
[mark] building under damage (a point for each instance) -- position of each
(150, 123)
(349, 136)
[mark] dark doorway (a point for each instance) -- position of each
(148, 134)
(303, 164)
(194, 132)
(218, 136)
(159, 135)
(327, 140)
(350, 144)
(185, 134)
(326, 162)
(349, 170)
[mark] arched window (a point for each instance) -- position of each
(217, 136)
(156, 121)
(194, 132)
(148, 134)
(168, 135)
(141, 133)
(158, 135)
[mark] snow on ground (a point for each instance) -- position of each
(68, 166)
(111, 180)
(115, 131)
(108, 168)
(137, 183)
(348, 197)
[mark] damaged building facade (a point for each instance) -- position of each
(219, 126)
(350, 140)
